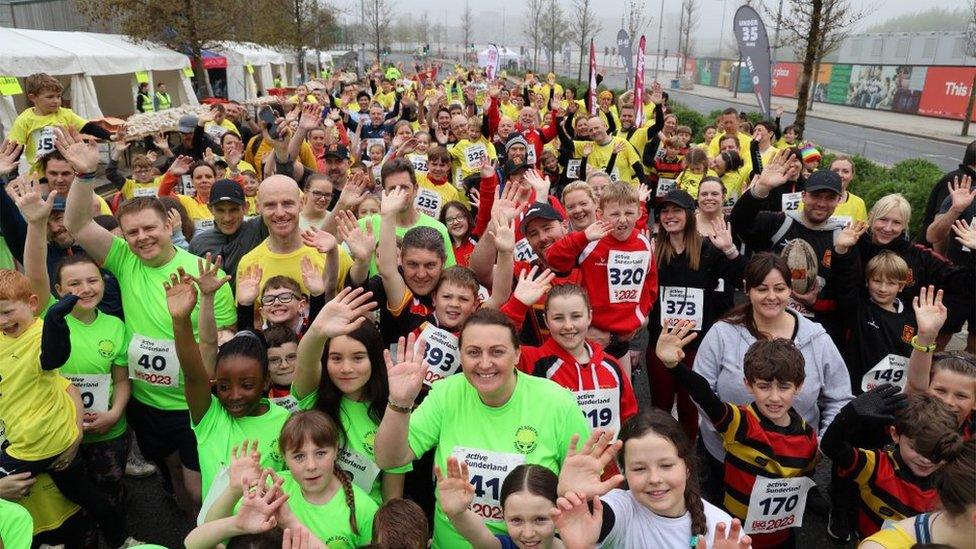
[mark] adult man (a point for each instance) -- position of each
(627, 166)
(231, 236)
(193, 142)
(60, 176)
(337, 168)
(398, 173)
(142, 261)
(941, 189)
(162, 100)
(729, 125)
(281, 253)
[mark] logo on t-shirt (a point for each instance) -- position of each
(526, 438)
(907, 333)
(339, 542)
(368, 441)
(106, 348)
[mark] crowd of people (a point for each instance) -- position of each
(408, 308)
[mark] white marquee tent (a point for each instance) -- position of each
(97, 70)
(242, 84)
(505, 56)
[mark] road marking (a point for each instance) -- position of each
(878, 143)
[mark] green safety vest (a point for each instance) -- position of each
(163, 101)
(147, 104)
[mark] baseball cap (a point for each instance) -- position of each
(679, 198)
(340, 152)
(539, 210)
(187, 123)
(823, 179)
(226, 190)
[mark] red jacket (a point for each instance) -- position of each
(619, 276)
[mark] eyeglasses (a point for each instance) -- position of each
(455, 219)
(281, 298)
(319, 195)
(276, 361)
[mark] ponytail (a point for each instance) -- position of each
(696, 509)
(349, 495)
(955, 481)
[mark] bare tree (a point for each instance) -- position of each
(533, 27)
(971, 52)
(814, 28)
(583, 26)
(467, 28)
(554, 30)
(423, 31)
(635, 21)
(403, 30)
(378, 15)
(687, 26)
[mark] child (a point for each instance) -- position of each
(237, 409)
(42, 411)
(617, 271)
(353, 391)
(400, 524)
(471, 150)
(34, 127)
(251, 184)
(708, 134)
(460, 225)
(145, 180)
(369, 206)
(766, 439)
(893, 483)
(434, 189)
(683, 133)
(790, 134)
(695, 168)
(527, 496)
(668, 166)
(282, 301)
(661, 506)
(282, 357)
(374, 154)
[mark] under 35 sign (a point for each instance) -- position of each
(750, 32)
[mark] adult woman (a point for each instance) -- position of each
(764, 315)
(490, 417)
(196, 201)
(851, 207)
(689, 268)
(711, 197)
(732, 172)
(460, 225)
(315, 201)
(580, 204)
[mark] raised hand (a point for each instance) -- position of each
(321, 240)
(121, 145)
(849, 235)
(81, 154)
(598, 230)
(671, 342)
(344, 313)
(160, 142)
(181, 296)
(311, 116)
(258, 510)
(181, 164)
(354, 192)
(26, 193)
(9, 153)
(965, 233)
(643, 193)
(880, 404)
(777, 171)
(539, 184)
(233, 154)
(406, 375)
(961, 193)
(530, 288)
(488, 165)
(619, 146)
(209, 279)
(455, 492)
(588, 149)
(579, 528)
(930, 313)
(721, 540)
(362, 244)
(312, 277)
(583, 468)
(504, 232)
(721, 235)
(657, 94)
(394, 201)
(249, 284)
(245, 464)
(207, 116)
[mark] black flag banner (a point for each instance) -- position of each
(750, 32)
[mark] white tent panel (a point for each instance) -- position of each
(23, 55)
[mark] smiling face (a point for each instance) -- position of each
(774, 398)
(312, 466)
(317, 197)
(623, 217)
(845, 169)
(279, 204)
(203, 180)
(147, 234)
(955, 389)
(56, 232)
(542, 233)
(884, 290)
(769, 298)
(710, 197)
(527, 520)
(568, 318)
(580, 208)
(228, 216)
(60, 175)
(348, 366)
(453, 304)
(819, 205)
(456, 222)
(656, 475)
(673, 218)
(16, 315)
(240, 384)
(438, 169)
(83, 280)
(920, 465)
(488, 359)
(281, 305)
(281, 363)
(421, 270)
(887, 227)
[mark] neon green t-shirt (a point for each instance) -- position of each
(95, 349)
(423, 220)
(357, 457)
(218, 432)
(534, 426)
(36, 132)
(6, 258)
(151, 357)
(330, 522)
(16, 525)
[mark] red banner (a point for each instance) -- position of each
(946, 92)
(786, 76)
(639, 85)
(592, 96)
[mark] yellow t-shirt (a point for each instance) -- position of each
(131, 188)
(744, 141)
(385, 99)
(600, 157)
(252, 205)
(48, 507)
(200, 213)
(103, 208)
(431, 197)
(467, 156)
(768, 155)
(509, 110)
(690, 181)
(308, 99)
(892, 537)
(290, 265)
(852, 209)
(256, 159)
(36, 132)
(38, 413)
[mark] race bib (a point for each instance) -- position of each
(625, 275)
(890, 369)
(573, 168)
(94, 389)
(441, 354)
(678, 303)
(419, 163)
(43, 142)
(287, 402)
(791, 201)
(843, 220)
(215, 131)
(615, 174)
(428, 201)
(664, 186)
(524, 252)
(187, 185)
(488, 470)
(777, 503)
(530, 155)
(601, 407)
(203, 224)
(144, 191)
(474, 155)
(362, 469)
(154, 361)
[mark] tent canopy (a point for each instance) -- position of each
(243, 53)
(25, 54)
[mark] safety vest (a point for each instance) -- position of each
(147, 104)
(163, 101)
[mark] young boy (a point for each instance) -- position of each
(896, 482)
(616, 267)
(765, 439)
(282, 357)
(668, 167)
(471, 149)
(34, 128)
(683, 133)
(434, 187)
(41, 410)
(145, 179)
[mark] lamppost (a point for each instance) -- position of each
(721, 33)
(660, 31)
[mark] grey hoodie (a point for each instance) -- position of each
(826, 389)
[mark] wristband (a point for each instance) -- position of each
(923, 348)
(730, 251)
(85, 176)
(398, 408)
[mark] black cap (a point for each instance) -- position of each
(679, 198)
(226, 190)
(340, 152)
(823, 179)
(539, 210)
(512, 167)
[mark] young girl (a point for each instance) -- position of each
(696, 167)
(354, 390)
(321, 495)
(527, 497)
(661, 506)
(237, 409)
(369, 206)
(460, 224)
